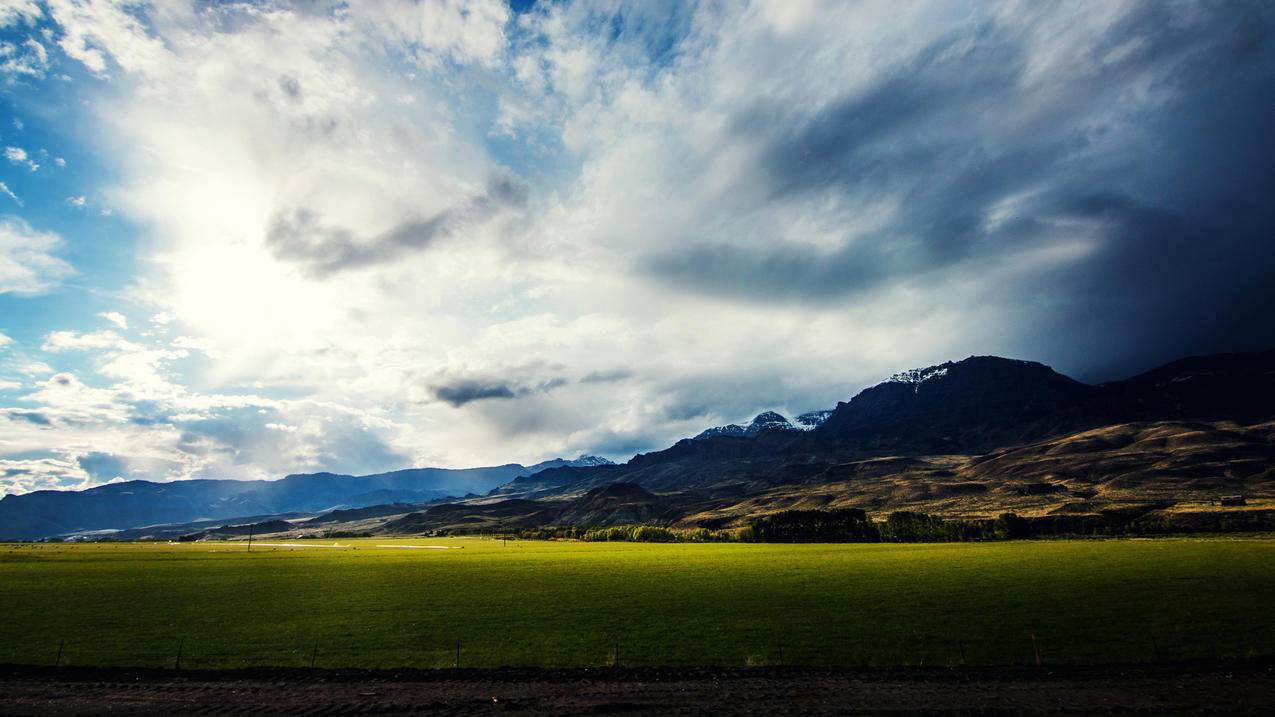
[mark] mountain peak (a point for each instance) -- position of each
(978, 401)
(764, 421)
(585, 460)
(768, 421)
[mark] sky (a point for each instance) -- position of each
(240, 240)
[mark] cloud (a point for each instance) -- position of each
(607, 376)
(439, 31)
(4, 340)
(49, 473)
(299, 236)
(103, 467)
(14, 12)
(462, 392)
(23, 60)
(18, 156)
(78, 201)
(116, 318)
(4, 189)
(96, 31)
(27, 264)
(457, 392)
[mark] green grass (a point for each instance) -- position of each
(567, 604)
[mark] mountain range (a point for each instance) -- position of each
(969, 437)
(131, 504)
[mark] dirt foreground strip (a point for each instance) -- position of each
(1200, 688)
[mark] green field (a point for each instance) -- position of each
(569, 604)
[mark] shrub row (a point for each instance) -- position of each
(851, 525)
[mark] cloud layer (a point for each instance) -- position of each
(382, 234)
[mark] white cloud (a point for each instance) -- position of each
(438, 31)
(4, 189)
(4, 340)
(13, 12)
(115, 317)
(94, 31)
(35, 368)
(60, 162)
(78, 202)
(7, 385)
(26, 59)
(26, 475)
(59, 341)
(17, 155)
(27, 264)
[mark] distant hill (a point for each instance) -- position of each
(131, 504)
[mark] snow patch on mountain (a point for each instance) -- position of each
(587, 461)
(811, 420)
(918, 376)
(766, 421)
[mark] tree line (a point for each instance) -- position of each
(853, 525)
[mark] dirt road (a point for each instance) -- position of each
(1218, 688)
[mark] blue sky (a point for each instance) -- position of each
(242, 240)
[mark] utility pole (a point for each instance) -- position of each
(251, 528)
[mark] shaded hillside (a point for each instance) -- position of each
(1164, 465)
(475, 517)
(618, 504)
(976, 404)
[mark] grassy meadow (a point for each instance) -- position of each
(568, 604)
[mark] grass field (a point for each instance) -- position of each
(569, 604)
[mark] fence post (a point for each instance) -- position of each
(177, 664)
(1035, 650)
(458, 654)
(962, 646)
(314, 654)
(58, 662)
(781, 654)
(1156, 647)
(616, 664)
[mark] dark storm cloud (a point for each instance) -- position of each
(462, 392)
(102, 466)
(457, 392)
(610, 376)
(34, 417)
(300, 235)
(1155, 146)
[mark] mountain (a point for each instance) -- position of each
(971, 407)
(765, 421)
(961, 406)
(131, 504)
(583, 461)
(614, 504)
